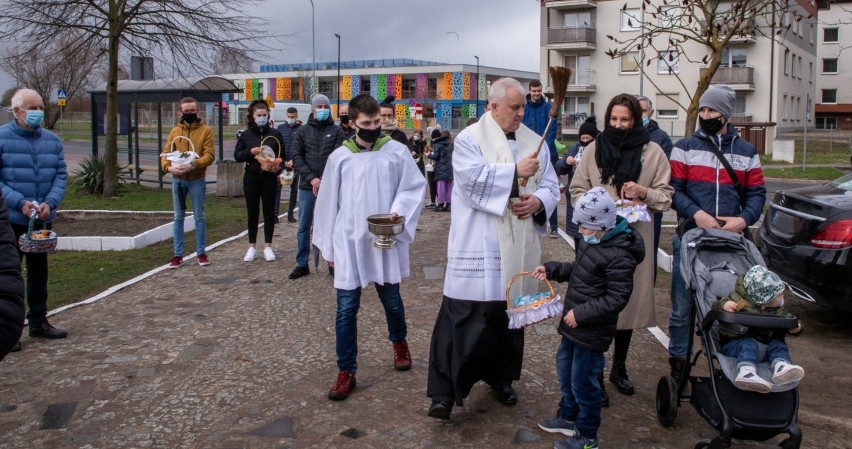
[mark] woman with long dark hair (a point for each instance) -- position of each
(623, 159)
(259, 185)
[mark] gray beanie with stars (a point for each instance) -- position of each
(595, 210)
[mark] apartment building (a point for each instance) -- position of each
(773, 79)
(834, 67)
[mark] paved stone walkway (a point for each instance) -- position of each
(235, 355)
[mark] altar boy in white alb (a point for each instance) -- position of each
(495, 234)
(369, 174)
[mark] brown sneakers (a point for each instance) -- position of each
(344, 385)
(401, 356)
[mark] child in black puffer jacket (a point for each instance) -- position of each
(600, 283)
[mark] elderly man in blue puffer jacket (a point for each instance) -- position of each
(33, 176)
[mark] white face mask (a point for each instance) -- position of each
(291, 121)
(416, 138)
(261, 120)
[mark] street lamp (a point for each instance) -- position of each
(338, 73)
(313, 48)
(477, 85)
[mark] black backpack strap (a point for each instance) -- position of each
(730, 170)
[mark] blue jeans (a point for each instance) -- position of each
(746, 350)
(578, 370)
(306, 219)
(346, 323)
(681, 298)
(197, 192)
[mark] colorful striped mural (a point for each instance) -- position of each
(447, 94)
(346, 87)
(421, 85)
(356, 86)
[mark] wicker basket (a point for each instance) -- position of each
(179, 156)
(41, 245)
(286, 177)
(266, 163)
(633, 210)
(523, 313)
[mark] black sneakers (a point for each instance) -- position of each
(45, 330)
(299, 272)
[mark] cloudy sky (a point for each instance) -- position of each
(451, 31)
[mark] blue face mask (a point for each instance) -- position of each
(323, 114)
(261, 120)
(645, 120)
(34, 118)
(591, 239)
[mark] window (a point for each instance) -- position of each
(734, 57)
(739, 105)
(784, 105)
(578, 20)
(409, 87)
(826, 122)
(793, 70)
(829, 65)
(667, 63)
(811, 72)
(830, 35)
(666, 113)
(630, 20)
(799, 68)
(576, 110)
(432, 88)
(798, 109)
(829, 96)
(666, 106)
(365, 85)
(786, 62)
(630, 62)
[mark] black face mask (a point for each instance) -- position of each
(711, 126)
(369, 135)
(189, 118)
(344, 119)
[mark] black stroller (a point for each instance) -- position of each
(711, 261)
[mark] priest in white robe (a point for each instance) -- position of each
(369, 174)
(495, 234)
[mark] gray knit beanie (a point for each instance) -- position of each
(595, 210)
(319, 99)
(719, 97)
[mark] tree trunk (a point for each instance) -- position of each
(111, 131)
(703, 84)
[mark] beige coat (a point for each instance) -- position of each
(655, 175)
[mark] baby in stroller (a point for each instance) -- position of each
(758, 291)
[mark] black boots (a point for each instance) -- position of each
(678, 365)
(618, 376)
(604, 395)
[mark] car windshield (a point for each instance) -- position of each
(844, 182)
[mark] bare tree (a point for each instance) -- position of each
(59, 64)
(184, 35)
(232, 61)
(697, 31)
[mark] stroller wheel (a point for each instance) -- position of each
(702, 445)
(667, 401)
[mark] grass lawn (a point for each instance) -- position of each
(77, 275)
(794, 172)
(819, 152)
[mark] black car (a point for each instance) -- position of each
(806, 238)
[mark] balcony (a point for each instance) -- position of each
(580, 82)
(564, 5)
(739, 78)
(579, 38)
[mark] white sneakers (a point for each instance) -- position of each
(785, 373)
(747, 379)
(782, 373)
(268, 254)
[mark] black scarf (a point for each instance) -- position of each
(618, 154)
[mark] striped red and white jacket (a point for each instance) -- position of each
(700, 180)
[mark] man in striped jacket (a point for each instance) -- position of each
(706, 193)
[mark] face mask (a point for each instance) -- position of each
(591, 239)
(323, 114)
(189, 118)
(261, 121)
(369, 135)
(344, 119)
(416, 138)
(291, 121)
(34, 118)
(711, 126)
(645, 120)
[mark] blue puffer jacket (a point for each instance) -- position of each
(700, 180)
(32, 168)
(660, 137)
(536, 115)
